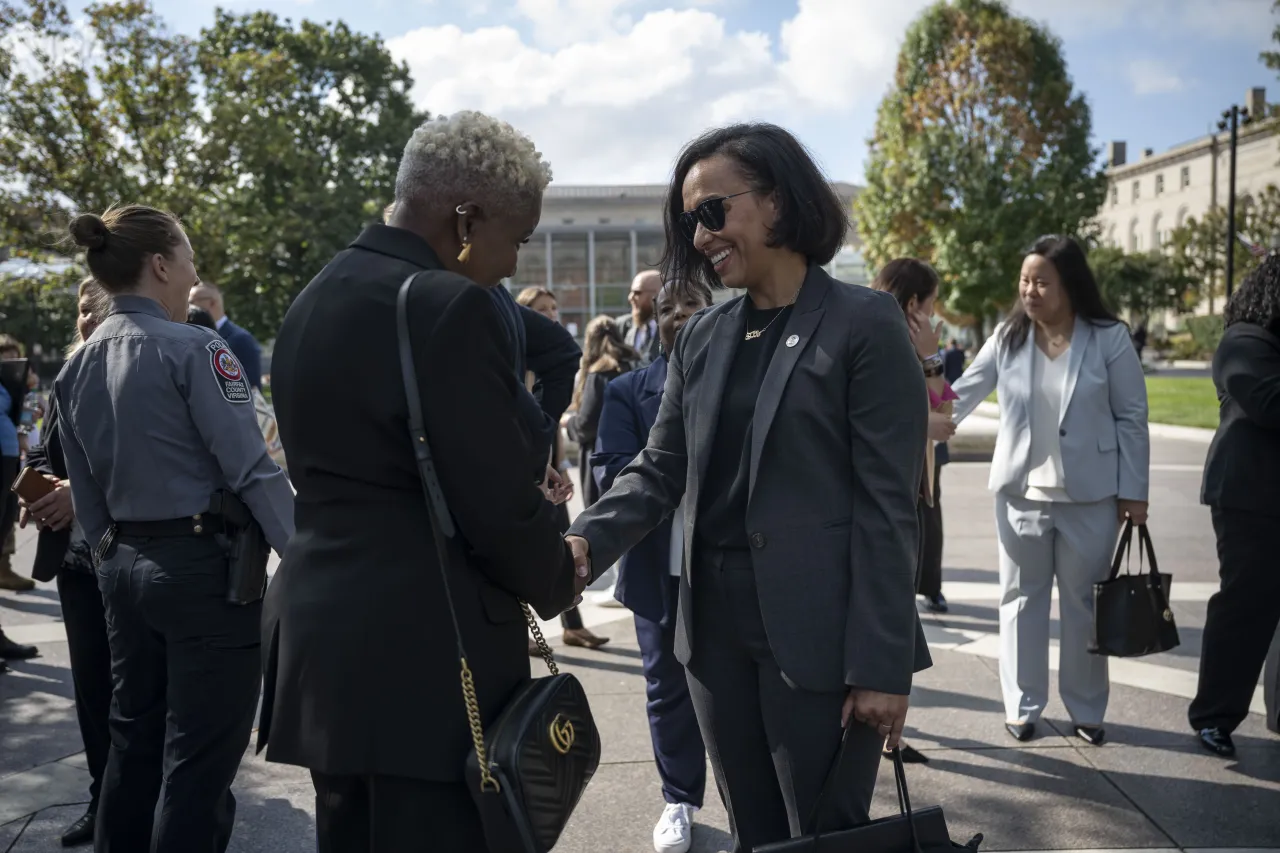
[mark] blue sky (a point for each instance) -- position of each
(610, 89)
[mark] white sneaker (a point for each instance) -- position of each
(674, 832)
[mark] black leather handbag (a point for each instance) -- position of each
(910, 831)
(544, 747)
(1131, 613)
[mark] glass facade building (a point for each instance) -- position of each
(592, 241)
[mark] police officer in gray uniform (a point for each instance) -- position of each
(158, 425)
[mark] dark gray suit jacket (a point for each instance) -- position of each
(835, 471)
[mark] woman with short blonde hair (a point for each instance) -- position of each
(362, 680)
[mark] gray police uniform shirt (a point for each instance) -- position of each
(156, 416)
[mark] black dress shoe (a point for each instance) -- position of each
(1021, 731)
(10, 650)
(1218, 742)
(1092, 735)
(80, 832)
(936, 603)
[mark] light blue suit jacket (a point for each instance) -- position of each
(1106, 448)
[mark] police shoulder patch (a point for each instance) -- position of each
(228, 373)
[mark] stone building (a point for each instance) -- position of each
(592, 241)
(1154, 194)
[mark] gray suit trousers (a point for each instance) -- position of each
(770, 742)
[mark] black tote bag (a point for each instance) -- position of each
(1131, 613)
(910, 831)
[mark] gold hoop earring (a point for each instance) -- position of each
(465, 254)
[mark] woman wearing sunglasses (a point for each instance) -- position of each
(791, 425)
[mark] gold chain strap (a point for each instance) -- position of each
(543, 648)
(488, 784)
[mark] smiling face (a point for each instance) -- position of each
(1040, 288)
(175, 277)
(674, 310)
(739, 251)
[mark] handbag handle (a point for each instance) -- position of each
(443, 529)
(899, 777)
(1155, 586)
(1123, 547)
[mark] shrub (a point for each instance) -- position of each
(1206, 332)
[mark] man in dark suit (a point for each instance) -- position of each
(243, 345)
(953, 361)
(639, 328)
(649, 578)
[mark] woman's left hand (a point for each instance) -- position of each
(1136, 510)
(924, 334)
(884, 712)
(557, 487)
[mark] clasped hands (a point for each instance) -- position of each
(53, 511)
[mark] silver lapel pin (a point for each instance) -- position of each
(793, 340)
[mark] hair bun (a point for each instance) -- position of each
(88, 230)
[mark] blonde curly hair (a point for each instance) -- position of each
(470, 156)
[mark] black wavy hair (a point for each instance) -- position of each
(1069, 259)
(811, 218)
(1257, 300)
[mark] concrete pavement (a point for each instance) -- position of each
(1149, 788)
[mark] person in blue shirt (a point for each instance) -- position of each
(13, 388)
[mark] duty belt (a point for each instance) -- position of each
(202, 524)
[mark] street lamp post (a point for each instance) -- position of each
(1232, 119)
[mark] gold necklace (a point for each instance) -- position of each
(751, 336)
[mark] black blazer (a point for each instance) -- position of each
(835, 467)
(46, 457)
(1242, 470)
(361, 671)
(546, 349)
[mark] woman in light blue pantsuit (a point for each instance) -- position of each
(1071, 462)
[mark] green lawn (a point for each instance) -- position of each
(1184, 401)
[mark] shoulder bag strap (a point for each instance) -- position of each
(442, 527)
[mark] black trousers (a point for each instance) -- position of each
(9, 467)
(929, 568)
(673, 725)
(771, 744)
(86, 622)
(389, 814)
(1241, 621)
(187, 673)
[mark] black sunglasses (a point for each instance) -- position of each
(710, 213)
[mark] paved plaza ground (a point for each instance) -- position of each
(1150, 787)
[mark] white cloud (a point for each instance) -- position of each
(614, 101)
(1153, 77)
(611, 89)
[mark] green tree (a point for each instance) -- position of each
(308, 124)
(273, 143)
(1141, 284)
(91, 117)
(981, 146)
(1198, 247)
